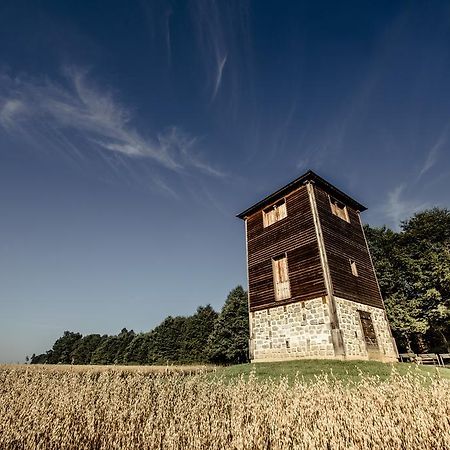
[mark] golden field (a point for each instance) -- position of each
(169, 408)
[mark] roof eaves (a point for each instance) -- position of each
(308, 176)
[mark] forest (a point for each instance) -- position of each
(206, 336)
(413, 269)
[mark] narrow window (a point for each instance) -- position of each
(281, 277)
(370, 336)
(339, 209)
(353, 267)
(274, 213)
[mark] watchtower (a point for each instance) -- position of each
(313, 292)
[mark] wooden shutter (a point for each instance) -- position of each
(341, 212)
(270, 216)
(281, 211)
(333, 208)
(353, 267)
(274, 214)
(339, 209)
(281, 278)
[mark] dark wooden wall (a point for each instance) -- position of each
(294, 235)
(345, 240)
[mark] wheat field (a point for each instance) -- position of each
(57, 408)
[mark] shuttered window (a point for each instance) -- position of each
(281, 277)
(339, 209)
(353, 267)
(274, 213)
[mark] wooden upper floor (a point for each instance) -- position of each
(284, 260)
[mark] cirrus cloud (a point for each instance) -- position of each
(78, 111)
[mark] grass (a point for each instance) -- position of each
(341, 370)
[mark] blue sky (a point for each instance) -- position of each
(131, 133)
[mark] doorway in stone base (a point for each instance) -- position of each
(370, 337)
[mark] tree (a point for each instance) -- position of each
(125, 337)
(197, 330)
(426, 236)
(106, 352)
(137, 350)
(39, 359)
(112, 348)
(85, 347)
(166, 341)
(63, 348)
(228, 342)
(413, 268)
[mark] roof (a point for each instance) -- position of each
(308, 176)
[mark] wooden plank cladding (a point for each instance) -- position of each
(345, 243)
(293, 235)
(283, 225)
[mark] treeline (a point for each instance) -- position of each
(413, 268)
(206, 336)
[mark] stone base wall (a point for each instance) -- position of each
(297, 330)
(352, 332)
(302, 330)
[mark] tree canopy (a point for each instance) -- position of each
(413, 268)
(178, 340)
(228, 342)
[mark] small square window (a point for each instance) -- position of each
(339, 209)
(274, 213)
(353, 267)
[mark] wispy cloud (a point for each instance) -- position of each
(221, 30)
(212, 40)
(398, 207)
(433, 154)
(302, 164)
(168, 15)
(76, 110)
(220, 66)
(8, 110)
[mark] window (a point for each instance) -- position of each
(339, 209)
(281, 277)
(353, 267)
(274, 213)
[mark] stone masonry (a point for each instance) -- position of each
(292, 331)
(302, 330)
(352, 332)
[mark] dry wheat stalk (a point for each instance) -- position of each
(48, 408)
